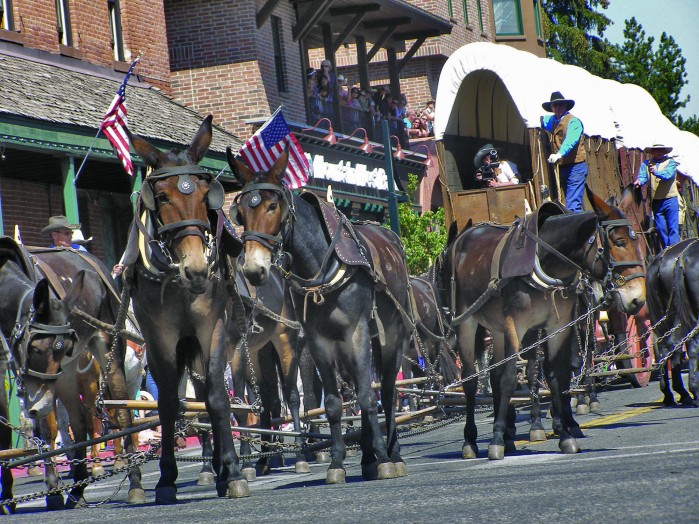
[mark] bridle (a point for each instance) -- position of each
(21, 337)
(272, 242)
(613, 278)
(166, 234)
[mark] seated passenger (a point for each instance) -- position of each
(491, 171)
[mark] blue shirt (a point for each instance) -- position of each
(573, 134)
(666, 174)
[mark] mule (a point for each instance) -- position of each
(673, 305)
(99, 304)
(39, 346)
(598, 244)
(180, 299)
(350, 309)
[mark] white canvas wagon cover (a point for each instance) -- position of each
(493, 91)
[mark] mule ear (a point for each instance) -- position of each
(201, 141)
(602, 209)
(76, 289)
(241, 173)
(40, 300)
(277, 171)
(150, 154)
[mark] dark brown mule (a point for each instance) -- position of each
(267, 359)
(100, 301)
(350, 310)
(598, 244)
(180, 299)
(38, 346)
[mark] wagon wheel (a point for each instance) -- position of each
(641, 347)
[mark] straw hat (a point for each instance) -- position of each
(58, 222)
(556, 96)
(79, 239)
(658, 148)
(341, 79)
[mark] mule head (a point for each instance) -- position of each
(45, 341)
(179, 195)
(625, 274)
(262, 209)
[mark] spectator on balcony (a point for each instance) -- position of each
(312, 93)
(418, 126)
(402, 120)
(428, 116)
(326, 71)
(343, 93)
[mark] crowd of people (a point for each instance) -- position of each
(366, 107)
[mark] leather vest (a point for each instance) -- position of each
(662, 188)
(575, 155)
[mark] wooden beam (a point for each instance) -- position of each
(348, 30)
(410, 53)
(414, 35)
(380, 42)
(378, 24)
(266, 11)
(362, 62)
(310, 18)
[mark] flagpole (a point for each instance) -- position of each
(122, 87)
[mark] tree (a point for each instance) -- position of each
(662, 73)
(573, 30)
(424, 235)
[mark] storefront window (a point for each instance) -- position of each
(508, 17)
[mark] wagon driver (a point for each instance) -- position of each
(568, 147)
(664, 190)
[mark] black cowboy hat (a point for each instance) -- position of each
(58, 222)
(482, 152)
(557, 96)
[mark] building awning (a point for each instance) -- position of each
(390, 22)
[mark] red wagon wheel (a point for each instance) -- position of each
(640, 347)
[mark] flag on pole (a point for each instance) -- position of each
(263, 148)
(114, 123)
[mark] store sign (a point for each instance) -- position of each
(348, 172)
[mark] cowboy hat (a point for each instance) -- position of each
(556, 96)
(341, 79)
(660, 148)
(79, 239)
(484, 151)
(58, 222)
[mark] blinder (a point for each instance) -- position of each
(254, 201)
(215, 196)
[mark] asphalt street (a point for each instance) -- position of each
(639, 462)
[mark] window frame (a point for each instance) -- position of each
(518, 15)
(465, 6)
(537, 19)
(278, 47)
(480, 15)
(115, 30)
(7, 20)
(65, 35)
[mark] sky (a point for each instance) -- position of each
(677, 18)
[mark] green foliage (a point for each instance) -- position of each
(691, 124)
(661, 72)
(573, 31)
(423, 235)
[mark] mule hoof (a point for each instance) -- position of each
(137, 496)
(55, 502)
(469, 451)
(351, 453)
(262, 470)
(323, 457)
(8, 509)
(302, 467)
(206, 478)
(97, 470)
(335, 476)
(166, 495)
(582, 409)
(537, 435)
(595, 407)
(386, 470)
(237, 489)
(72, 502)
(573, 402)
(496, 452)
(249, 474)
(569, 446)
(35, 471)
(401, 469)
(118, 464)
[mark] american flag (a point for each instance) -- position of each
(114, 123)
(263, 148)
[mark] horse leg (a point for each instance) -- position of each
(206, 474)
(661, 350)
(503, 379)
(311, 384)
(677, 382)
(692, 347)
(269, 395)
(230, 482)
(468, 332)
(238, 367)
(47, 430)
(536, 429)
(6, 478)
(558, 376)
(391, 364)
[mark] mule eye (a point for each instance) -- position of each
(620, 243)
(162, 198)
(273, 206)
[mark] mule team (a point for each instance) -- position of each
(349, 289)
